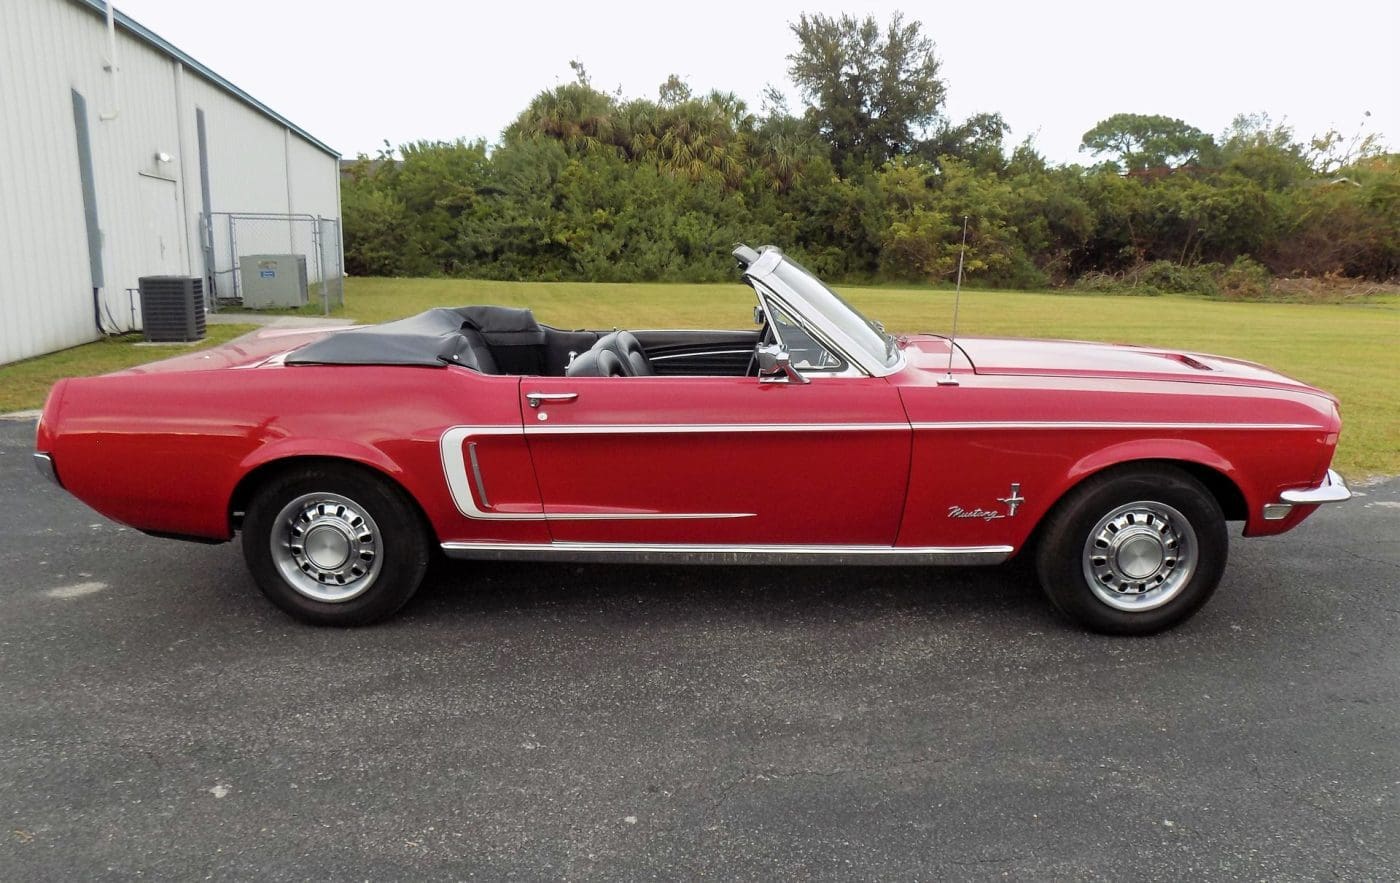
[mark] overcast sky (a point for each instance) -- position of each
(355, 74)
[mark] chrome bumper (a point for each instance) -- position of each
(1332, 490)
(44, 463)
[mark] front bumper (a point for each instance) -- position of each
(1333, 489)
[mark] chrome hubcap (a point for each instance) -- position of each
(326, 547)
(1140, 556)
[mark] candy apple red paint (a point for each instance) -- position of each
(346, 457)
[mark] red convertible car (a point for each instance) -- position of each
(346, 457)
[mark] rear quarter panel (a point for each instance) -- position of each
(164, 451)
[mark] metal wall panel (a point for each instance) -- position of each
(45, 287)
(315, 183)
(148, 209)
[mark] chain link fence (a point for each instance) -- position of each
(233, 236)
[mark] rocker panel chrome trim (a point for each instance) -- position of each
(1057, 424)
(686, 428)
(659, 553)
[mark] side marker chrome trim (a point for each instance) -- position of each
(657, 553)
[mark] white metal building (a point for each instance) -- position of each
(112, 171)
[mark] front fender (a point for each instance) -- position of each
(1149, 449)
(1187, 453)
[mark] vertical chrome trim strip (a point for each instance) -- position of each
(476, 473)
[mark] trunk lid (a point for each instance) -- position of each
(252, 349)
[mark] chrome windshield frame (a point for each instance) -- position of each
(848, 368)
(761, 274)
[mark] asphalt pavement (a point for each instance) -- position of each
(159, 719)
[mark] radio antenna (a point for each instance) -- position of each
(947, 378)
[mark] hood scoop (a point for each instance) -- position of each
(1188, 361)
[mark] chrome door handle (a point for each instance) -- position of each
(534, 398)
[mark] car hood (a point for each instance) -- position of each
(1077, 358)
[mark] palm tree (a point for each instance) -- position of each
(574, 113)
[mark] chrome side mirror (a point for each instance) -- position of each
(774, 366)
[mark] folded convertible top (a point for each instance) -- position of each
(432, 339)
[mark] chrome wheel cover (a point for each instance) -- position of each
(326, 547)
(1140, 556)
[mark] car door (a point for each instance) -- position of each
(718, 460)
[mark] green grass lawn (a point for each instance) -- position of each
(1350, 349)
(23, 385)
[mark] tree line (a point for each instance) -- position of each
(869, 181)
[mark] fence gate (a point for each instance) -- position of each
(232, 235)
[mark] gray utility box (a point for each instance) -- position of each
(172, 307)
(272, 280)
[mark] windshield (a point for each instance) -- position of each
(822, 300)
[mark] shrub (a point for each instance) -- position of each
(1179, 279)
(1245, 279)
(1108, 283)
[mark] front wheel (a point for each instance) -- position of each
(335, 545)
(1133, 551)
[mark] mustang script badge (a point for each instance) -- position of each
(1012, 500)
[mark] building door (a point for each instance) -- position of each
(162, 233)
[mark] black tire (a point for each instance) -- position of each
(300, 522)
(1100, 542)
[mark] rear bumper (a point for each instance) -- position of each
(1333, 489)
(44, 463)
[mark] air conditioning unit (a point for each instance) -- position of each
(172, 307)
(272, 280)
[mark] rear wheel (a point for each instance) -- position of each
(1133, 551)
(335, 545)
